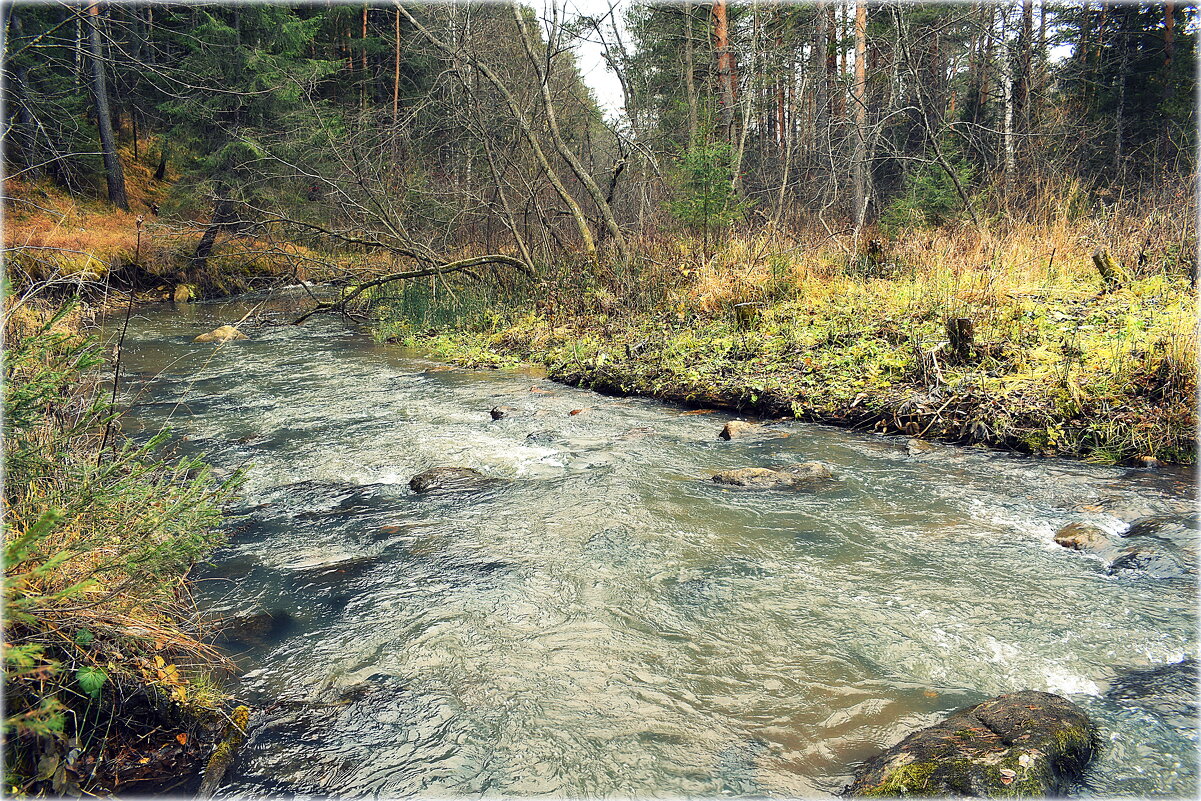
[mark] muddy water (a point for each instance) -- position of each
(604, 621)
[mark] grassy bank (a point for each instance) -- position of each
(107, 681)
(1061, 361)
(56, 239)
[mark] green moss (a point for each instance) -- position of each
(911, 779)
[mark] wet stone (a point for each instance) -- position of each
(225, 333)
(448, 479)
(1021, 744)
(504, 412)
(738, 428)
(795, 476)
(1169, 691)
(1081, 537)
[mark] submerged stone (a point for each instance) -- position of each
(1162, 546)
(502, 412)
(255, 629)
(1026, 743)
(793, 476)
(225, 333)
(1169, 691)
(916, 447)
(447, 478)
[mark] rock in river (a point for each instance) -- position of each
(738, 428)
(225, 333)
(447, 478)
(502, 412)
(1170, 691)
(1162, 546)
(1021, 744)
(1081, 537)
(790, 477)
(917, 447)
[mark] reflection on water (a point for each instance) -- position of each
(606, 622)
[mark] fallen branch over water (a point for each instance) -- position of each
(445, 269)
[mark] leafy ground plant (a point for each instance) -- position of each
(106, 682)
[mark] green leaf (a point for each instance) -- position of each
(90, 680)
(83, 637)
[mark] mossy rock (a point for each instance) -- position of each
(449, 479)
(1023, 744)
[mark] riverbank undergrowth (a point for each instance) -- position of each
(1060, 361)
(107, 684)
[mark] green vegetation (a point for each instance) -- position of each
(911, 779)
(102, 662)
(1058, 365)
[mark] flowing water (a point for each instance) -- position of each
(604, 620)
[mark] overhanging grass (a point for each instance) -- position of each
(1061, 364)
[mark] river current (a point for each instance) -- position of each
(605, 621)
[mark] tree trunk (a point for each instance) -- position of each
(363, 62)
(560, 143)
(726, 77)
(1007, 89)
(690, 80)
(821, 85)
(1169, 46)
(25, 127)
(523, 124)
(396, 75)
(1119, 114)
(223, 215)
(113, 173)
(860, 100)
(160, 172)
(1024, 100)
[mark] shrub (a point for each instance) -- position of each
(96, 549)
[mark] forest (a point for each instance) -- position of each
(970, 224)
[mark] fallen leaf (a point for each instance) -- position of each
(182, 737)
(576, 411)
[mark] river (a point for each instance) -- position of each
(605, 621)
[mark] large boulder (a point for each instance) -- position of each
(1020, 744)
(793, 476)
(225, 333)
(447, 479)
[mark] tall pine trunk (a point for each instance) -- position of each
(726, 77)
(113, 173)
(860, 101)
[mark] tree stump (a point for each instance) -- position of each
(1108, 267)
(960, 331)
(745, 314)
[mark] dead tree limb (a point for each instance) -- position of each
(450, 267)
